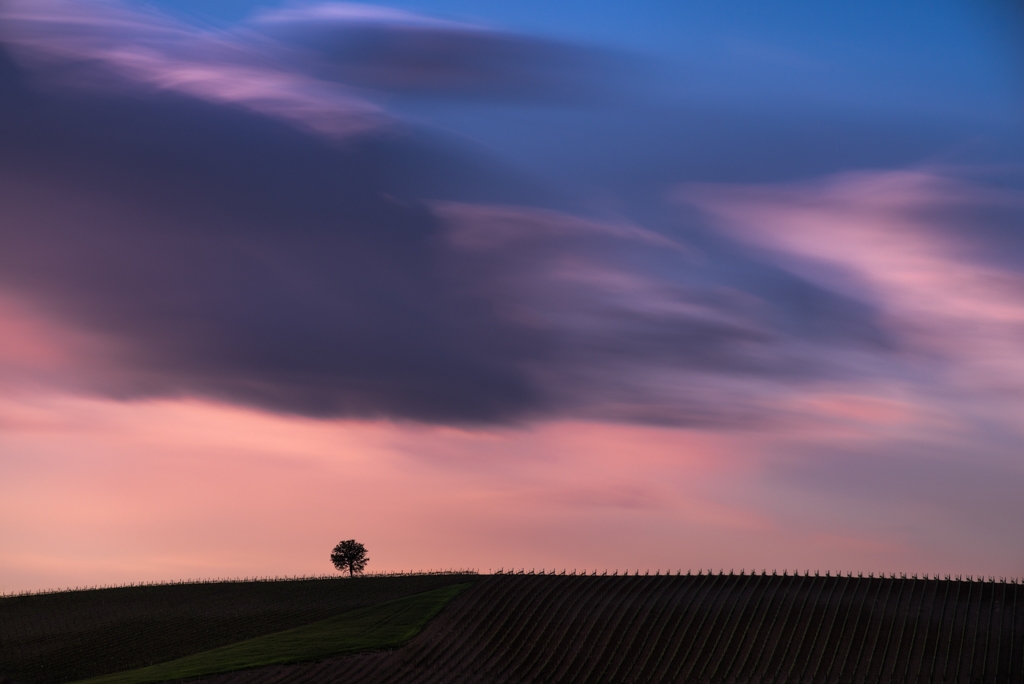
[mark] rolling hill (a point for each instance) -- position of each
(582, 629)
(73, 635)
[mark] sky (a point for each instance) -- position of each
(547, 285)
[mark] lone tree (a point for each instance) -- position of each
(350, 555)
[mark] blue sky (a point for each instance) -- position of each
(945, 59)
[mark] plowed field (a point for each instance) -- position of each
(709, 628)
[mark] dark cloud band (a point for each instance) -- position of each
(225, 241)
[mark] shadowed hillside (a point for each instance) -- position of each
(66, 636)
(705, 628)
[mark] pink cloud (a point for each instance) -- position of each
(932, 429)
(355, 12)
(151, 50)
(37, 351)
(875, 235)
(97, 491)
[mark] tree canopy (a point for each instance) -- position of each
(350, 555)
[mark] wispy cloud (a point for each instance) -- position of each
(104, 45)
(385, 50)
(214, 249)
(396, 276)
(910, 242)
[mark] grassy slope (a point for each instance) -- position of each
(53, 638)
(385, 625)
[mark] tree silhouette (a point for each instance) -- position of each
(350, 555)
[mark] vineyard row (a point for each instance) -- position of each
(760, 627)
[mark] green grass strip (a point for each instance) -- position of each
(384, 625)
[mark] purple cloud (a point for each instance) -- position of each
(225, 223)
(103, 46)
(382, 49)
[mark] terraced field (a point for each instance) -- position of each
(706, 628)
